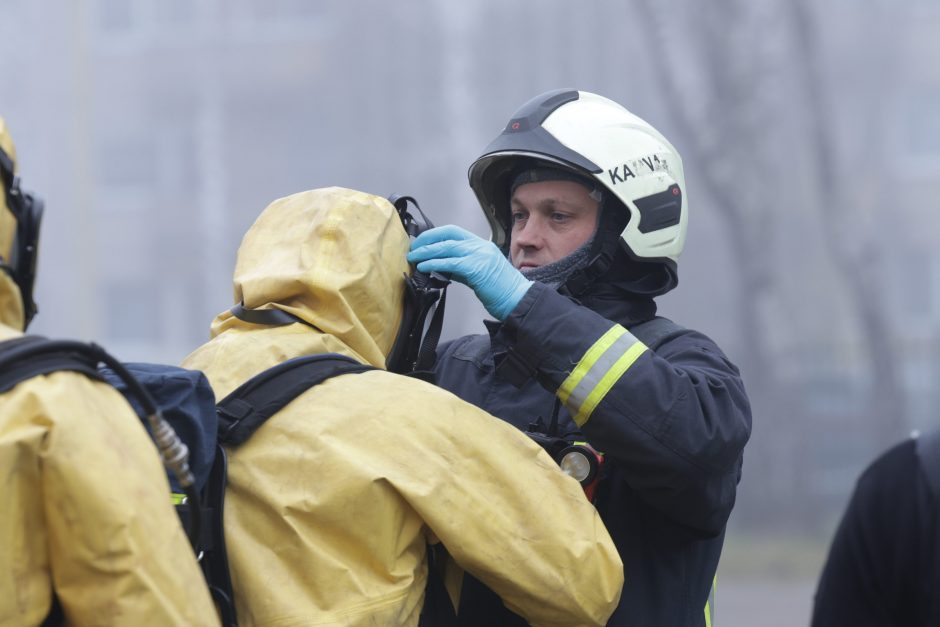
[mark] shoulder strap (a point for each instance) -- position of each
(211, 552)
(240, 414)
(259, 398)
(927, 446)
(32, 355)
(655, 331)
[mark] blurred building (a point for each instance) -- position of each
(175, 123)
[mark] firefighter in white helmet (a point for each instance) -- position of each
(588, 209)
(88, 534)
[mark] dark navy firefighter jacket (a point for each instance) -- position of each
(671, 423)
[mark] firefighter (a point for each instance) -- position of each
(588, 210)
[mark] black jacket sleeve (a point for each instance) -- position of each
(675, 420)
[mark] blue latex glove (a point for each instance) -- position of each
(473, 261)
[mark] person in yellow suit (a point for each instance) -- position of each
(331, 504)
(86, 516)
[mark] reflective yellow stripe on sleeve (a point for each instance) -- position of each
(710, 604)
(602, 365)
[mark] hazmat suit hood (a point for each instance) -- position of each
(11, 300)
(335, 259)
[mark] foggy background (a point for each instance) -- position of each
(157, 130)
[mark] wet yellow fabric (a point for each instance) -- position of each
(331, 502)
(86, 508)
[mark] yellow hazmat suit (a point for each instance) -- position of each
(330, 504)
(86, 508)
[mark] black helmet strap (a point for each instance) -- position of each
(415, 348)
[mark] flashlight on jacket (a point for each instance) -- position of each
(578, 460)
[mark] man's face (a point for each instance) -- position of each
(550, 220)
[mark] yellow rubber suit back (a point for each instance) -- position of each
(332, 501)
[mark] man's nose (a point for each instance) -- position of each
(529, 234)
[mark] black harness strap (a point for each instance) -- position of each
(212, 556)
(259, 398)
(240, 414)
(30, 356)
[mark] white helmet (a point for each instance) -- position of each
(597, 138)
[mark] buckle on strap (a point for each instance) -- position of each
(231, 414)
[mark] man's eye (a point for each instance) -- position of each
(518, 216)
(560, 217)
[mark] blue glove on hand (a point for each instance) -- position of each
(473, 261)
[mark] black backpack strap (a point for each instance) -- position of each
(655, 331)
(32, 355)
(259, 398)
(240, 414)
(212, 556)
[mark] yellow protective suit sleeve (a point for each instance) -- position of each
(496, 500)
(87, 511)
